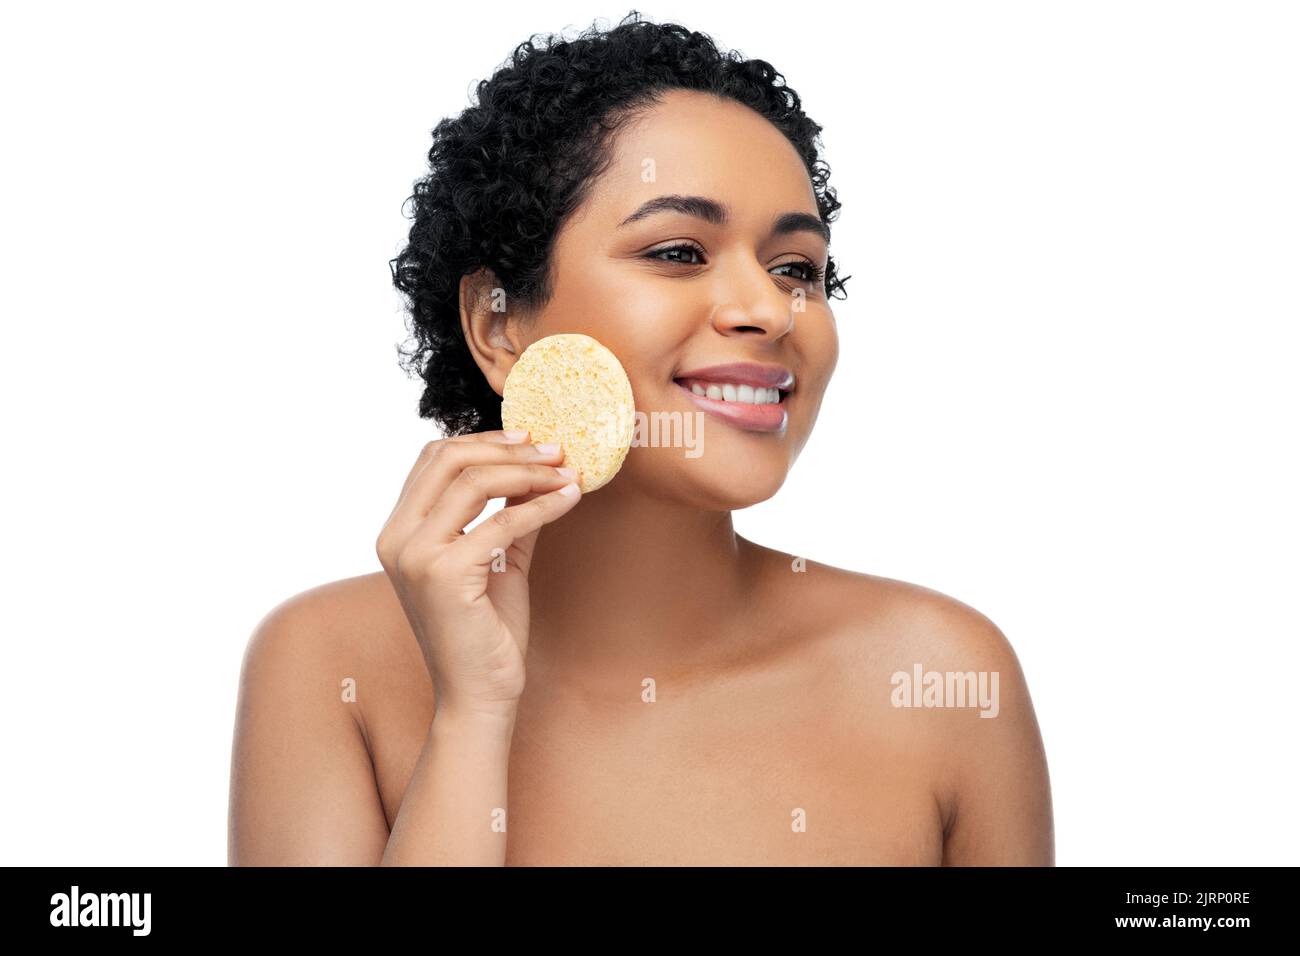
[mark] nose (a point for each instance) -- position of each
(759, 309)
(766, 319)
(749, 302)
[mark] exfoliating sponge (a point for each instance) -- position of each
(571, 389)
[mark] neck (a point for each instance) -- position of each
(625, 580)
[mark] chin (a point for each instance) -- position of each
(710, 484)
(736, 499)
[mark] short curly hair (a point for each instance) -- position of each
(506, 172)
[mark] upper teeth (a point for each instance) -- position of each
(727, 392)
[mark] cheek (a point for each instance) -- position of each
(819, 348)
(646, 328)
(833, 350)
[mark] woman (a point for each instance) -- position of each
(691, 697)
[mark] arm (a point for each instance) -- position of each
(302, 789)
(453, 812)
(302, 786)
(1002, 813)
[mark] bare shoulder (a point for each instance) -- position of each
(866, 614)
(327, 619)
(942, 677)
(336, 607)
(302, 783)
(924, 622)
(349, 630)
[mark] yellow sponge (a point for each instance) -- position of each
(572, 390)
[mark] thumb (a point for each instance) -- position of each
(524, 544)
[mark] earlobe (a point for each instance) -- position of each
(486, 324)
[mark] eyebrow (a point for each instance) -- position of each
(715, 213)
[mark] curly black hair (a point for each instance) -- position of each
(506, 172)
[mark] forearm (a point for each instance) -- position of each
(453, 812)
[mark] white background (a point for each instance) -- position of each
(1066, 392)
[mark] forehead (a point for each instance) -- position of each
(697, 144)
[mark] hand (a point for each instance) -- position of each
(471, 621)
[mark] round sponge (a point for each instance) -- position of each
(572, 390)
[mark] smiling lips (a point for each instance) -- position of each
(745, 394)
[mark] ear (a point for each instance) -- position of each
(490, 330)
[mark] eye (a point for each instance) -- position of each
(683, 248)
(808, 272)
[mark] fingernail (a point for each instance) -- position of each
(570, 490)
(550, 448)
(515, 434)
(568, 472)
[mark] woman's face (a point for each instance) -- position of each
(740, 293)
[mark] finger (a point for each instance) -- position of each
(422, 459)
(500, 436)
(446, 465)
(467, 496)
(510, 524)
